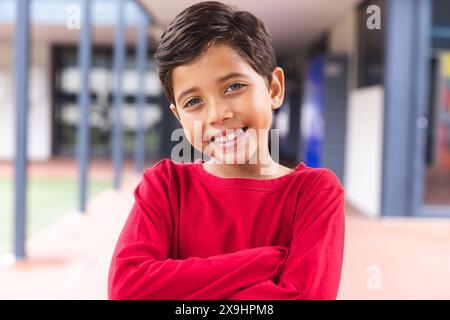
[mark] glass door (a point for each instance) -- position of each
(436, 195)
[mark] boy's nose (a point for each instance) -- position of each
(218, 113)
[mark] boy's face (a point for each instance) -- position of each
(220, 93)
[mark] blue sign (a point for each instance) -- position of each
(312, 119)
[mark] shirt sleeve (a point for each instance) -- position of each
(313, 266)
(140, 267)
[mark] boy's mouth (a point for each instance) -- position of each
(228, 135)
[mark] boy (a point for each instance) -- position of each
(223, 229)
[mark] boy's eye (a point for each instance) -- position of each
(234, 87)
(192, 102)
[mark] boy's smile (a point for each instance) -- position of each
(227, 140)
(223, 96)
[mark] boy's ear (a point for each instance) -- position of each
(175, 111)
(277, 88)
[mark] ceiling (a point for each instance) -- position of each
(292, 23)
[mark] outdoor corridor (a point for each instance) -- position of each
(384, 258)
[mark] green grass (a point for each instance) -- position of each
(48, 200)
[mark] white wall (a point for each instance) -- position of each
(6, 101)
(364, 135)
(39, 115)
(364, 149)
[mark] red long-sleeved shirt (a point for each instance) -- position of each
(194, 235)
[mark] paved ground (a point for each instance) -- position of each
(67, 167)
(384, 259)
(70, 259)
(396, 258)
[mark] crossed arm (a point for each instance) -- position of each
(309, 269)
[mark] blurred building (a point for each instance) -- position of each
(395, 154)
(55, 80)
(367, 91)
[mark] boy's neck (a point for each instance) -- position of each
(264, 169)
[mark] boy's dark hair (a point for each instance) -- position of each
(199, 26)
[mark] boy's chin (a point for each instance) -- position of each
(231, 158)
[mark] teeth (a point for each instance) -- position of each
(229, 137)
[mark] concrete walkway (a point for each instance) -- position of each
(384, 259)
(70, 259)
(396, 258)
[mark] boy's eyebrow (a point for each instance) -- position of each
(186, 92)
(220, 79)
(231, 75)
